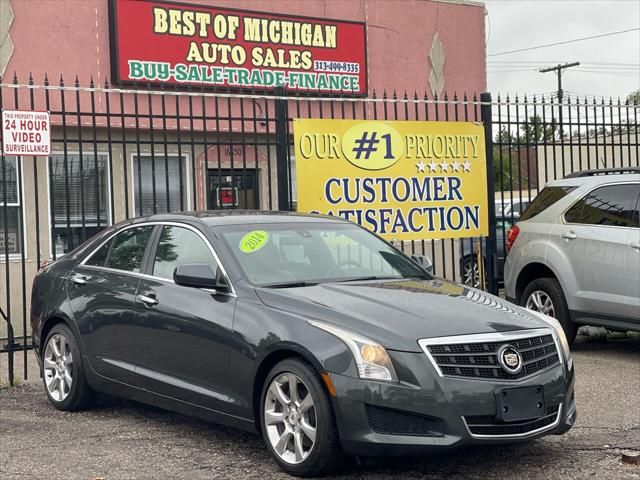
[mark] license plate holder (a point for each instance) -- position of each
(521, 403)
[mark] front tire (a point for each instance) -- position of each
(298, 425)
(545, 295)
(63, 371)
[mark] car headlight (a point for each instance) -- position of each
(557, 327)
(371, 358)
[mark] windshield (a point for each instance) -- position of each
(290, 254)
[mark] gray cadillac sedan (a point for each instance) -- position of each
(319, 335)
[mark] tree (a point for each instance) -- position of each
(634, 98)
(536, 131)
(512, 152)
(501, 171)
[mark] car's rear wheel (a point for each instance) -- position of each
(297, 420)
(63, 371)
(545, 295)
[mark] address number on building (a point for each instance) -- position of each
(26, 133)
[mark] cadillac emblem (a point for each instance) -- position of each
(510, 359)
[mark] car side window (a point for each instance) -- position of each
(99, 258)
(611, 205)
(128, 249)
(180, 246)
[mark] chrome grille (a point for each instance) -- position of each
(486, 425)
(480, 359)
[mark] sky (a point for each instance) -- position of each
(610, 66)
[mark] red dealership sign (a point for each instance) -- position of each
(185, 44)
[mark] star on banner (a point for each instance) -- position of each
(420, 166)
(433, 166)
(444, 166)
(466, 166)
(455, 166)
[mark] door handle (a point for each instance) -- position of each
(149, 301)
(569, 236)
(79, 279)
(635, 245)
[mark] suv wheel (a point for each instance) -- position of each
(63, 371)
(545, 295)
(297, 420)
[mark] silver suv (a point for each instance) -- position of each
(575, 252)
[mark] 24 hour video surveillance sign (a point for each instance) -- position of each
(403, 180)
(176, 43)
(26, 132)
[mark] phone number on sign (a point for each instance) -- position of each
(324, 66)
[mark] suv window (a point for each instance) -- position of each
(611, 205)
(128, 249)
(547, 197)
(178, 246)
(99, 258)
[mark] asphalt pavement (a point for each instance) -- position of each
(125, 440)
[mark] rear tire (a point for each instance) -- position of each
(63, 371)
(301, 434)
(545, 295)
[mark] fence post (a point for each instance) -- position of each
(10, 340)
(282, 149)
(491, 244)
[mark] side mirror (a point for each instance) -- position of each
(423, 261)
(197, 275)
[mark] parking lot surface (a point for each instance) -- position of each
(125, 440)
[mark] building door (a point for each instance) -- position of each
(227, 189)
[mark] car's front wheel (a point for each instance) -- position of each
(297, 420)
(63, 371)
(471, 272)
(545, 295)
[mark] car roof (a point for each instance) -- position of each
(594, 178)
(238, 217)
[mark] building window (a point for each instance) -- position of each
(159, 184)
(10, 208)
(79, 196)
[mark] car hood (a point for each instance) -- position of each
(397, 313)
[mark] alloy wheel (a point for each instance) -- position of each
(540, 301)
(290, 418)
(58, 367)
(471, 274)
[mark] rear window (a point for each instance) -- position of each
(547, 197)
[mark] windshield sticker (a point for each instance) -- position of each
(254, 241)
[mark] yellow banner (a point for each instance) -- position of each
(403, 180)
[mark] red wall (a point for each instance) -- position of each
(71, 37)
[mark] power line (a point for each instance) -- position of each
(619, 73)
(603, 72)
(563, 42)
(584, 62)
(587, 65)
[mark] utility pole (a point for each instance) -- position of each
(559, 69)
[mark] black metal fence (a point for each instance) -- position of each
(124, 152)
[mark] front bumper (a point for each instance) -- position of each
(426, 412)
